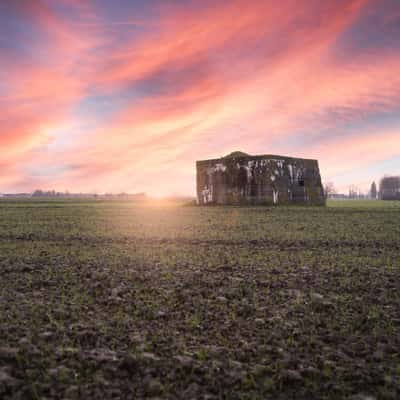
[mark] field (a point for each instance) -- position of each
(116, 300)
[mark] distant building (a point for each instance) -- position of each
(389, 188)
(240, 178)
(12, 195)
(338, 196)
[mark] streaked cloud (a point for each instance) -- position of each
(128, 99)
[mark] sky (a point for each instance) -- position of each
(101, 96)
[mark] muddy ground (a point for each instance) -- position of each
(104, 300)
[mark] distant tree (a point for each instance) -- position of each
(373, 191)
(353, 192)
(37, 193)
(45, 193)
(329, 189)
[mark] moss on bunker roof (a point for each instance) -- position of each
(236, 154)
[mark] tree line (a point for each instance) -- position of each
(389, 189)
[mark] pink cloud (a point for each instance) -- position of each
(201, 82)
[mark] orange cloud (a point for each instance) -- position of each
(193, 83)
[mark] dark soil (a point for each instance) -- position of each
(122, 301)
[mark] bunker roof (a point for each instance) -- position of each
(239, 155)
(236, 154)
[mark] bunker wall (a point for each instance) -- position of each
(259, 180)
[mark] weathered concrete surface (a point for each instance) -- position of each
(266, 179)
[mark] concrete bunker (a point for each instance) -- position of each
(240, 178)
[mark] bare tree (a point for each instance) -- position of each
(329, 189)
(353, 192)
